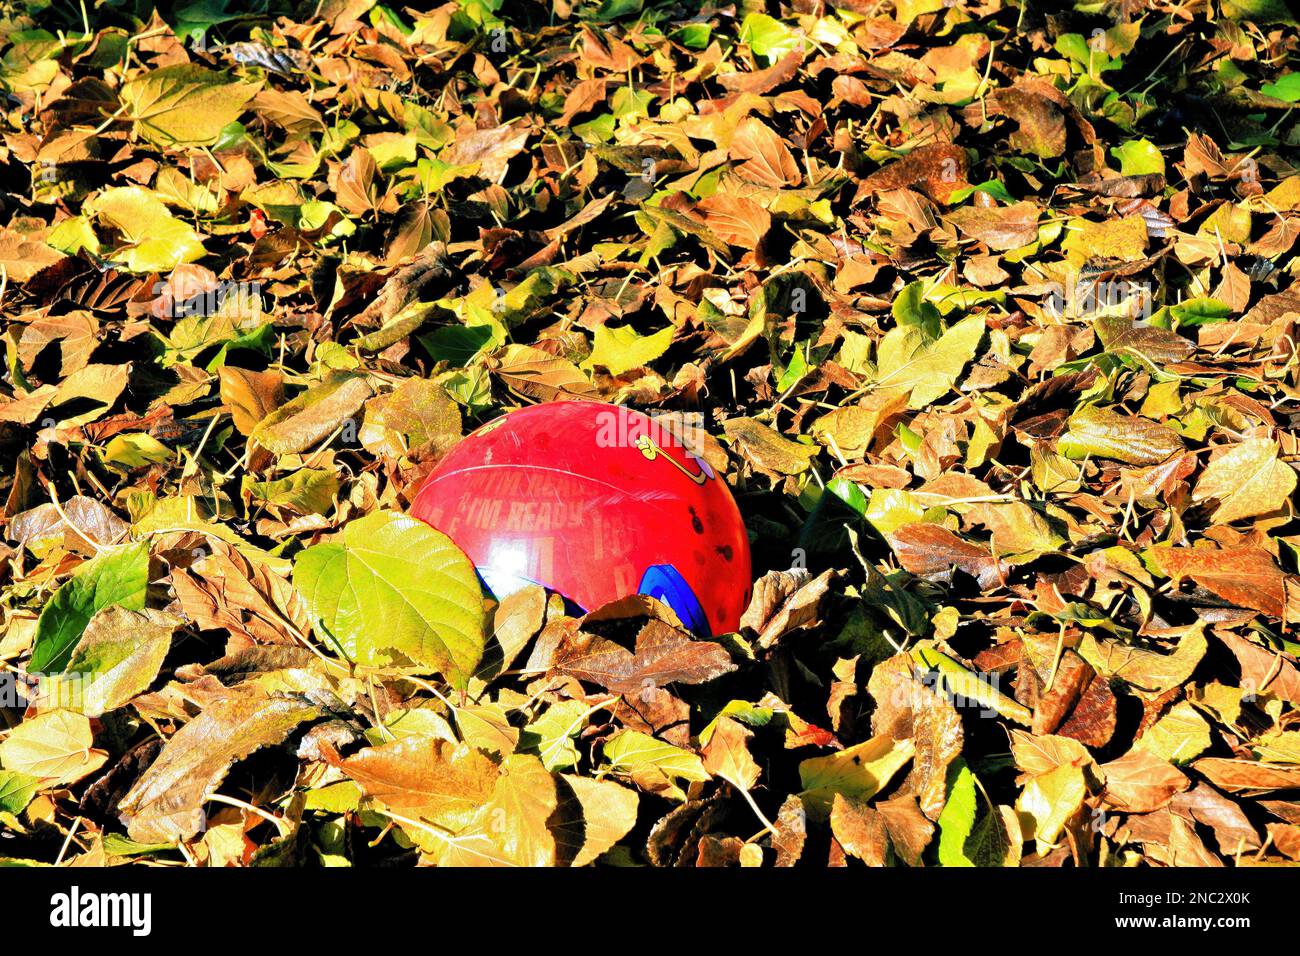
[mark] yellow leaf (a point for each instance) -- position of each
(928, 369)
(1047, 803)
(623, 349)
(185, 105)
(1248, 480)
(1113, 239)
(860, 771)
(55, 746)
(155, 240)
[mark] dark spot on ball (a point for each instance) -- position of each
(696, 523)
(725, 551)
(857, 759)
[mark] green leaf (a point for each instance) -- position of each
(993, 187)
(623, 349)
(967, 836)
(116, 575)
(927, 368)
(1138, 157)
(306, 491)
(911, 308)
(633, 752)
(613, 9)
(1286, 88)
(1258, 11)
(392, 590)
(185, 105)
(768, 38)
(16, 790)
(551, 736)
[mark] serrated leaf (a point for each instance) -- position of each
(166, 803)
(971, 830)
(391, 590)
(425, 778)
(633, 752)
(551, 736)
(1146, 669)
(511, 828)
(622, 349)
(306, 491)
(311, 417)
(16, 790)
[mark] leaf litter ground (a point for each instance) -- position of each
(987, 314)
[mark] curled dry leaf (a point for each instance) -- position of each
(784, 601)
(166, 803)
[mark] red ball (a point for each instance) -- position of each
(597, 502)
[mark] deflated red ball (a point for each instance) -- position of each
(597, 502)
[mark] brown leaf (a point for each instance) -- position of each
(860, 830)
(1000, 228)
(727, 754)
(43, 525)
(663, 655)
(1140, 782)
(313, 416)
(766, 160)
(428, 779)
(791, 825)
(223, 590)
(1248, 776)
(785, 601)
(762, 81)
(909, 829)
(491, 148)
(736, 220)
(250, 396)
(937, 170)
(584, 96)
(1263, 670)
(1073, 674)
(1206, 806)
(1040, 112)
(75, 332)
(166, 803)
(356, 183)
(908, 708)
(1095, 717)
(931, 551)
(1248, 577)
